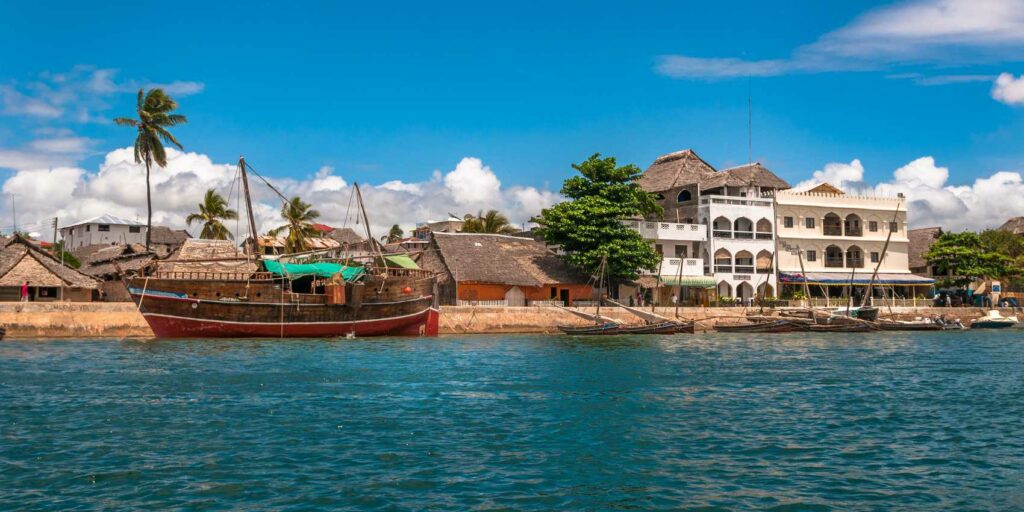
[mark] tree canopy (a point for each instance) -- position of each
(299, 216)
(968, 256)
(212, 211)
(491, 222)
(394, 235)
(589, 225)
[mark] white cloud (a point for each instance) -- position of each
(178, 87)
(118, 188)
(61, 145)
(1008, 89)
(473, 183)
(909, 32)
(985, 203)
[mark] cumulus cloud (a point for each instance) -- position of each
(932, 201)
(1008, 89)
(118, 187)
(905, 33)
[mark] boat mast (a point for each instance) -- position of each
(366, 224)
(885, 248)
(248, 205)
(807, 288)
(679, 282)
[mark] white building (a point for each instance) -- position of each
(840, 237)
(681, 271)
(103, 230)
(738, 206)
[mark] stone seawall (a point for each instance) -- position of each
(120, 320)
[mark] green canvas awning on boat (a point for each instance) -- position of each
(319, 269)
(401, 260)
(688, 281)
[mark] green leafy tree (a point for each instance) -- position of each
(212, 211)
(299, 217)
(589, 225)
(491, 222)
(964, 258)
(63, 255)
(154, 109)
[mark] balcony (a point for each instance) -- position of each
(745, 202)
(670, 267)
(761, 235)
(725, 269)
(834, 262)
(832, 230)
(854, 263)
(745, 235)
(721, 233)
(668, 231)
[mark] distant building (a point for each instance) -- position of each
(103, 230)
(482, 268)
(1014, 225)
(164, 240)
(921, 241)
(838, 236)
(450, 225)
(22, 260)
(351, 241)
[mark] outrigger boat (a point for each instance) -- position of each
(210, 295)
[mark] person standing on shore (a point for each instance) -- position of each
(24, 292)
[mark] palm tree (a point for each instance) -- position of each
(299, 217)
(395, 234)
(154, 111)
(491, 222)
(212, 211)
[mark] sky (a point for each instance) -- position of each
(438, 108)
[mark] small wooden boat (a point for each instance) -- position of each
(842, 327)
(658, 328)
(867, 313)
(893, 325)
(3, 332)
(685, 327)
(994, 320)
(773, 326)
(589, 330)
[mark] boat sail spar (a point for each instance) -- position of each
(279, 299)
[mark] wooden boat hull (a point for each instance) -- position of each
(780, 326)
(590, 330)
(897, 326)
(222, 309)
(850, 327)
(659, 328)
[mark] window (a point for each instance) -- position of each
(659, 249)
(874, 257)
(684, 196)
(103, 227)
(134, 229)
(873, 226)
(88, 228)
(787, 221)
(893, 227)
(681, 251)
(809, 222)
(812, 255)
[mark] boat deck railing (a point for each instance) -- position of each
(215, 276)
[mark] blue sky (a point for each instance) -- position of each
(395, 91)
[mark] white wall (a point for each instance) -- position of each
(77, 236)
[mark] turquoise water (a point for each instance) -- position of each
(921, 421)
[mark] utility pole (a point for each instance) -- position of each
(55, 233)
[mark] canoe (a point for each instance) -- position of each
(658, 328)
(776, 326)
(845, 327)
(600, 329)
(910, 326)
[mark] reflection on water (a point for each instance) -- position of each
(798, 422)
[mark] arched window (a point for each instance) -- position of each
(723, 261)
(743, 228)
(684, 196)
(852, 226)
(833, 257)
(854, 257)
(764, 229)
(722, 228)
(744, 262)
(724, 289)
(764, 262)
(832, 225)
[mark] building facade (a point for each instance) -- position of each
(830, 239)
(103, 230)
(680, 273)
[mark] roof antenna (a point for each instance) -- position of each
(750, 124)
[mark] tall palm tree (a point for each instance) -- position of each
(491, 222)
(299, 217)
(154, 110)
(212, 211)
(395, 234)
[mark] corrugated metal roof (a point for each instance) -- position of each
(106, 219)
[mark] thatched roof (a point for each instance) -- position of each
(198, 255)
(278, 242)
(345, 236)
(125, 263)
(166, 236)
(1014, 225)
(920, 241)
(500, 259)
(749, 175)
(673, 170)
(826, 188)
(21, 260)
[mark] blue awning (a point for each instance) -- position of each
(843, 278)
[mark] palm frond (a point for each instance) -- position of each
(126, 121)
(167, 136)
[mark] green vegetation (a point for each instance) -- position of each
(154, 111)
(299, 217)
(967, 256)
(212, 211)
(589, 225)
(394, 235)
(491, 222)
(62, 255)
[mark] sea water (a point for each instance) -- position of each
(921, 421)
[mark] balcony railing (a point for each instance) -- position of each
(748, 235)
(833, 230)
(857, 263)
(668, 230)
(735, 201)
(723, 268)
(834, 262)
(744, 269)
(720, 233)
(764, 271)
(850, 231)
(763, 236)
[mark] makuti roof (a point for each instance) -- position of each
(920, 241)
(502, 259)
(21, 260)
(748, 175)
